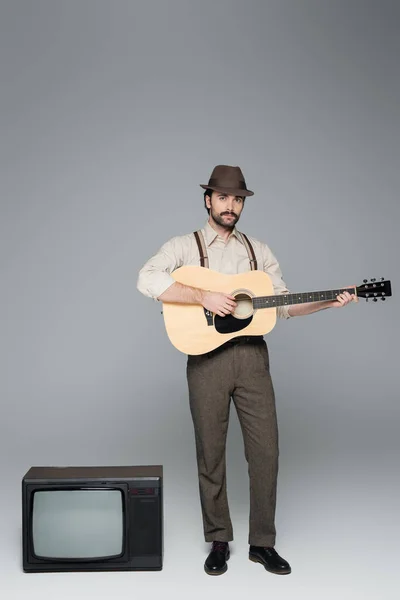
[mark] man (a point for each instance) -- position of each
(239, 369)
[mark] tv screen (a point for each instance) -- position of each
(77, 524)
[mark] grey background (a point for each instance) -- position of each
(111, 115)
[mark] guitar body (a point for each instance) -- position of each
(193, 330)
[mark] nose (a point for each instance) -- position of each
(230, 206)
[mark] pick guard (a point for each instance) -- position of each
(229, 323)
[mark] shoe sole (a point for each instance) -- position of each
(258, 560)
(224, 570)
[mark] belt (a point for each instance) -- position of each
(243, 339)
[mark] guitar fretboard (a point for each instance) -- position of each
(302, 298)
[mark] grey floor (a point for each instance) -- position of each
(336, 520)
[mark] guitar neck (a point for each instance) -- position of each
(302, 298)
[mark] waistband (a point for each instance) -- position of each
(243, 339)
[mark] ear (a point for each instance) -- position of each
(208, 201)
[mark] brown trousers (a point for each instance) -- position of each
(240, 372)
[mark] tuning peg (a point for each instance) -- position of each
(365, 280)
(373, 279)
(375, 299)
(383, 298)
(382, 279)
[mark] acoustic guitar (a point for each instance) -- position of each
(192, 329)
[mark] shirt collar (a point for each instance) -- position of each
(211, 234)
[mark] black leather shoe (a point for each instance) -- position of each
(270, 559)
(216, 561)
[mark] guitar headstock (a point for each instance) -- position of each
(373, 289)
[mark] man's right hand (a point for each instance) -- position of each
(219, 303)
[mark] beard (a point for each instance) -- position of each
(225, 219)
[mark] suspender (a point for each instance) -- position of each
(250, 252)
(203, 250)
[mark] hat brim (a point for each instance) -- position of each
(231, 191)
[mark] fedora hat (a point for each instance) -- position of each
(229, 180)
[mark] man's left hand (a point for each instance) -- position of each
(343, 299)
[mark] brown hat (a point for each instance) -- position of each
(229, 180)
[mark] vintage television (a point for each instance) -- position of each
(92, 518)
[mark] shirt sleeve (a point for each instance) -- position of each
(154, 277)
(272, 268)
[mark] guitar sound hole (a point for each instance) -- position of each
(244, 308)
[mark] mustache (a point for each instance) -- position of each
(229, 213)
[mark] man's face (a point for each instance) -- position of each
(225, 209)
